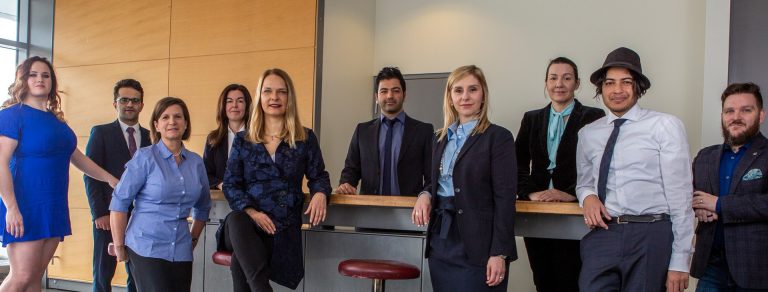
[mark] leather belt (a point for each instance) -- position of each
(624, 219)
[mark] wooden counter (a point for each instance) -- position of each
(408, 202)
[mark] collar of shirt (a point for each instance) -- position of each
(463, 130)
(727, 148)
(125, 127)
(400, 117)
(229, 130)
(633, 115)
(165, 153)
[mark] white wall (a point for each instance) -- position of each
(347, 70)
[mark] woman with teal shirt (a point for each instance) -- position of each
(36, 148)
(546, 165)
(470, 207)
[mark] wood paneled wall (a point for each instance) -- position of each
(189, 49)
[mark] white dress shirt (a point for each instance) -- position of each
(136, 133)
(650, 172)
(231, 138)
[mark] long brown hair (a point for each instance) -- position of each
(219, 135)
(450, 115)
(20, 89)
(293, 131)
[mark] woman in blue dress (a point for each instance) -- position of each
(36, 148)
(263, 187)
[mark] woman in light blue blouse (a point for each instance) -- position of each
(164, 181)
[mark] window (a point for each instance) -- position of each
(10, 47)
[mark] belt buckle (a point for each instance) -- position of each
(619, 221)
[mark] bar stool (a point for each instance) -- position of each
(378, 271)
(223, 258)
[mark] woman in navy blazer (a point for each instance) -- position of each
(233, 116)
(470, 203)
(546, 165)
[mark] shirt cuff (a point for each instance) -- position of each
(717, 207)
(583, 194)
(679, 262)
(423, 193)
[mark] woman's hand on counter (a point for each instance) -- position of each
(262, 220)
(346, 189)
(316, 209)
(421, 209)
(551, 195)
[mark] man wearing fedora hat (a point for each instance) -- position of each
(634, 183)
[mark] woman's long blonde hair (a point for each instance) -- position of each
(20, 88)
(293, 131)
(450, 115)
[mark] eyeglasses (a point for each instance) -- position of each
(125, 100)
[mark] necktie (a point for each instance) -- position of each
(131, 140)
(605, 163)
(555, 131)
(386, 180)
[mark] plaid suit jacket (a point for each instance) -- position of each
(744, 213)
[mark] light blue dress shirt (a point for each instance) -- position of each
(163, 194)
(457, 135)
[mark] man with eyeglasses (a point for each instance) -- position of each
(634, 183)
(111, 146)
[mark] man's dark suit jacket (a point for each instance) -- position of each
(485, 184)
(215, 159)
(744, 213)
(412, 164)
(532, 155)
(108, 149)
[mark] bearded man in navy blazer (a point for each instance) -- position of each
(391, 153)
(731, 199)
(111, 146)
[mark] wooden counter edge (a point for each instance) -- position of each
(408, 202)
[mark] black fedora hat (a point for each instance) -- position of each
(621, 57)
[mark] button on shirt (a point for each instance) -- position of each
(163, 194)
(397, 140)
(457, 135)
(650, 172)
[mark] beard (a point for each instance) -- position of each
(743, 137)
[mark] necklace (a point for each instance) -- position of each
(177, 154)
(274, 136)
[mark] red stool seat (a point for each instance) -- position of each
(223, 258)
(378, 269)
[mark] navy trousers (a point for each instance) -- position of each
(104, 264)
(626, 257)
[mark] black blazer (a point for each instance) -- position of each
(412, 164)
(532, 155)
(108, 149)
(215, 160)
(484, 184)
(744, 213)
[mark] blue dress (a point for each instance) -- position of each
(40, 170)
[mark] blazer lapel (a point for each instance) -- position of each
(571, 128)
(119, 138)
(746, 161)
(714, 172)
(373, 151)
(465, 148)
(543, 119)
(406, 141)
(437, 157)
(145, 139)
